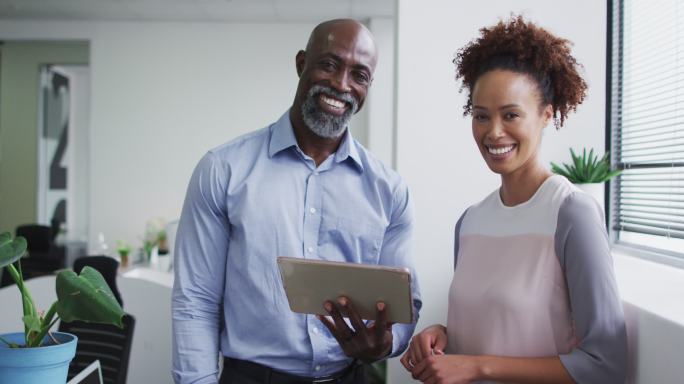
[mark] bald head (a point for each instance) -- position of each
(326, 33)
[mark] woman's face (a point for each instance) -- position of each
(508, 121)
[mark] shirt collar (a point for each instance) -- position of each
(282, 137)
(348, 149)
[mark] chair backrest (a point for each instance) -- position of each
(107, 343)
(58, 217)
(107, 267)
(39, 237)
(5, 278)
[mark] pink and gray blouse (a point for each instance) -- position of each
(536, 280)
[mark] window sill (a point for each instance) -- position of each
(650, 286)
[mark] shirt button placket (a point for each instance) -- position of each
(311, 215)
(312, 221)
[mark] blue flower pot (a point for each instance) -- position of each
(42, 365)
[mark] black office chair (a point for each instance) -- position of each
(107, 267)
(58, 218)
(44, 257)
(5, 278)
(107, 343)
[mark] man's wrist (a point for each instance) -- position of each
(372, 359)
(384, 354)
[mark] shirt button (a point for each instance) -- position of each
(315, 330)
(312, 210)
(317, 368)
(310, 249)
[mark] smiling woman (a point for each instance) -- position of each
(533, 249)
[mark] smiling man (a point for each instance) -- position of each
(300, 187)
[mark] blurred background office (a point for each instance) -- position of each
(107, 105)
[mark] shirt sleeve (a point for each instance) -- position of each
(457, 237)
(583, 250)
(397, 250)
(200, 259)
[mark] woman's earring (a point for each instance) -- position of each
(556, 123)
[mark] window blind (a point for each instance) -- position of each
(647, 119)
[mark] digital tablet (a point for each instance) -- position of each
(309, 283)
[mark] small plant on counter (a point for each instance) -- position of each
(586, 169)
(124, 249)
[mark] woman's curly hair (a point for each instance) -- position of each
(523, 47)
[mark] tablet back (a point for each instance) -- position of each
(309, 283)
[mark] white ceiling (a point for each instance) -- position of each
(195, 10)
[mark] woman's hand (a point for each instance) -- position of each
(432, 340)
(447, 369)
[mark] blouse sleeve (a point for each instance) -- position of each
(457, 237)
(583, 249)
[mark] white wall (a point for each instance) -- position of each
(77, 209)
(652, 298)
(380, 103)
(163, 94)
(435, 150)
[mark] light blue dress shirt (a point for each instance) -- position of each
(259, 197)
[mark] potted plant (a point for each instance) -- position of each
(588, 172)
(37, 355)
(155, 243)
(124, 250)
(161, 242)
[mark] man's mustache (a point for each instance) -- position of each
(342, 96)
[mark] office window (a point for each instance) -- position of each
(646, 118)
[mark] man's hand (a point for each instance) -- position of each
(367, 344)
(432, 340)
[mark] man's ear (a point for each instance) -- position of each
(300, 62)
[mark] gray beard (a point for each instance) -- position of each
(322, 123)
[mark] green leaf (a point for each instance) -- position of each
(46, 323)
(27, 302)
(11, 345)
(577, 165)
(47, 319)
(597, 173)
(583, 165)
(612, 174)
(87, 297)
(11, 250)
(574, 172)
(558, 170)
(32, 323)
